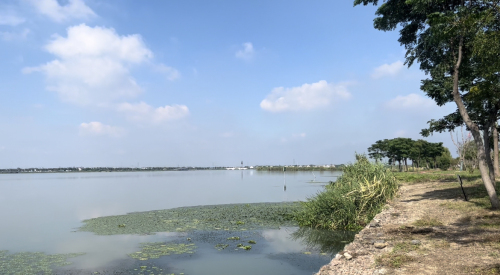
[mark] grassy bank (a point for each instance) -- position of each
(353, 200)
(436, 175)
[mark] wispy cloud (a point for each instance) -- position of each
(305, 97)
(95, 128)
(170, 73)
(146, 114)
(74, 9)
(10, 19)
(387, 70)
(247, 53)
(9, 36)
(409, 102)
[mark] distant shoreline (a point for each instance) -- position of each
(158, 169)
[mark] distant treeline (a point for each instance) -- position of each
(421, 153)
(102, 169)
(301, 168)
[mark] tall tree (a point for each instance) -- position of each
(443, 36)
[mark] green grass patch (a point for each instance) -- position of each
(437, 175)
(353, 200)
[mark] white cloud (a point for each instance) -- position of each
(73, 9)
(144, 113)
(9, 36)
(305, 97)
(170, 73)
(247, 52)
(98, 129)
(11, 20)
(387, 70)
(92, 65)
(409, 102)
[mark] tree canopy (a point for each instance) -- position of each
(450, 39)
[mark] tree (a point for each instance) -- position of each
(402, 149)
(445, 159)
(447, 38)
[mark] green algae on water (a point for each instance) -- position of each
(240, 217)
(32, 262)
(156, 250)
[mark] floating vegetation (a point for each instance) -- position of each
(32, 262)
(233, 238)
(240, 217)
(252, 242)
(245, 247)
(156, 250)
(151, 270)
(221, 246)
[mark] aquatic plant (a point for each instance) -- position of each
(353, 200)
(235, 217)
(32, 262)
(158, 249)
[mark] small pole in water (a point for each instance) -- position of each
(314, 176)
(284, 179)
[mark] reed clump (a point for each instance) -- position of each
(353, 200)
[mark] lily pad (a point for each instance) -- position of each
(32, 262)
(241, 217)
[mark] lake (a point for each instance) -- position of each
(42, 213)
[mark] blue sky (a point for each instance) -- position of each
(201, 83)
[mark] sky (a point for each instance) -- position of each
(201, 83)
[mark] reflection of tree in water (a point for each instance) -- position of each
(325, 240)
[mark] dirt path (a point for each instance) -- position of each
(427, 229)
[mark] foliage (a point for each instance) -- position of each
(353, 200)
(420, 152)
(444, 161)
(456, 43)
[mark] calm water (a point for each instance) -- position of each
(40, 212)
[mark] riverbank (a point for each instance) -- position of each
(427, 229)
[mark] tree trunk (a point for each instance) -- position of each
(490, 188)
(495, 150)
(487, 152)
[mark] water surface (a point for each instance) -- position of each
(41, 212)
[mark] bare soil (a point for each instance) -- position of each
(427, 229)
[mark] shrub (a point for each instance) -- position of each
(353, 200)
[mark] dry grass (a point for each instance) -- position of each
(427, 221)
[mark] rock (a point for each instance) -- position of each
(416, 242)
(347, 256)
(338, 256)
(380, 245)
(380, 271)
(374, 224)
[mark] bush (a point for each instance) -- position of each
(444, 163)
(353, 200)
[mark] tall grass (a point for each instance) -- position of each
(353, 200)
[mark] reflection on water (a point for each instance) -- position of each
(326, 241)
(40, 212)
